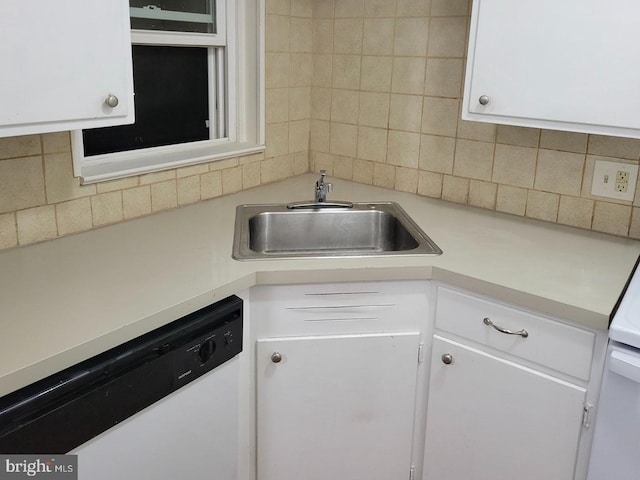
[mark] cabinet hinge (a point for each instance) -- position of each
(586, 415)
(412, 473)
(421, 353)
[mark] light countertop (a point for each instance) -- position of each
(65, 300)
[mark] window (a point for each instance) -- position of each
(198, 82)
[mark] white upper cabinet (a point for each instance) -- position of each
(565, 65)
(65, 65)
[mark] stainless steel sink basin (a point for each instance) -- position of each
(331, 230)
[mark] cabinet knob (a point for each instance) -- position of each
(484, 100)
(111, 101)
(447, 359)
(276, 357)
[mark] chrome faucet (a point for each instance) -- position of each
(322, 188)
(320, 201)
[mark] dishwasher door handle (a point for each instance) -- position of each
(626, 365)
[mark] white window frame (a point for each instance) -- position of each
(241, 120)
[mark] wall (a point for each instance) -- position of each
(385, 109)
(40, 199)
(378, 84)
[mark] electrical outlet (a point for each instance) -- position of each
(622, 181)
(614, 180)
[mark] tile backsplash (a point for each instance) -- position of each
(369, 90)
(40, 199)
(385, 110)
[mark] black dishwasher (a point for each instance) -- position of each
(65, 410)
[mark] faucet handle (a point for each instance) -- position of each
(329, 187)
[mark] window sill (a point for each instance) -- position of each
(112, 167)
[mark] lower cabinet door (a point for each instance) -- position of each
(492, 419)
(336, 407)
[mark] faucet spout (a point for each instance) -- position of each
(322, 188)
(320, 200)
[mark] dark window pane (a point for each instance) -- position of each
(170, 26)
(171, 102)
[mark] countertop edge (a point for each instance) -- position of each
(31, 373)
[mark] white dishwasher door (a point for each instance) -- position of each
(615, 454)
(191, 433)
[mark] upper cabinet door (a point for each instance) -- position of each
(566, 65)
(65, 65)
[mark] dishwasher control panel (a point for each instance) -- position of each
(217, 345)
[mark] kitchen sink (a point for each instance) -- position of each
(327, 230)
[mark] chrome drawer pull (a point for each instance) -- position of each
(523, 333)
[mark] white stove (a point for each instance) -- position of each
(625, 327)
(616, 445)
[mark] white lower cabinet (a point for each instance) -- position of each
(490, 418)
(338, 376)
(336, 406)
(510, 392)
(415, 379)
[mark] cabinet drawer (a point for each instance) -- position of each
(315, 309)
(548, 342)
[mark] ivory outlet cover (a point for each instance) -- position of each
(606, 180)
